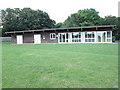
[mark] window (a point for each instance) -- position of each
(89, 37)
(52, 36)
(62, 37)
(76, 37)
(109, 36)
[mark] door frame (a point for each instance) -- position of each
(18, 38)
(39, 39)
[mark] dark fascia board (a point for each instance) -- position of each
(53, 29)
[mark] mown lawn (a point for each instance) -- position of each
(60, 66)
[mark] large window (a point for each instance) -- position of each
(76, 37)
(89, 37)
(52, 36)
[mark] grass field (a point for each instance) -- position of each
(60, 66)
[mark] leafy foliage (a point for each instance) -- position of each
(117, 30)
(25, 19)
(110, 20)
(86, 17)
(58, 25)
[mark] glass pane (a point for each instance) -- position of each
(79, 35)
(108, 34)
(108, 40)
(63, 37)
(72, 35)
(99, 37)
(72, 40)
(93, 40)
(93, 36)
(79, 40)
(89, 35)
(60, 38)
(66, 35)
(53, 36)
(89, 40)
(104, 37)
(75, 36)
(85, 40)
(85, 34)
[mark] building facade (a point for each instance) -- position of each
(88, 34)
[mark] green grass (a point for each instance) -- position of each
(60, 66)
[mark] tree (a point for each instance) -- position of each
(112, 20)
(117, 30)
(25, 19)
(58, 25)
(86, 17)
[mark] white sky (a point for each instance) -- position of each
(59, 10)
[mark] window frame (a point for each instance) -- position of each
(51, 35)
(74, 39)
(109, 38)
(90, 36)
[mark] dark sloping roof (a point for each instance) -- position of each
(102, 26)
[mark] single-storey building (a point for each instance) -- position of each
(86, 34)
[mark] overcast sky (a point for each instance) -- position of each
(59, 10)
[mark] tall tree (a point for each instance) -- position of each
(110, 20)
(25, 19)
(86, 17)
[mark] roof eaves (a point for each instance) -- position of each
(60, 29)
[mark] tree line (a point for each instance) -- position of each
(28, 19)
